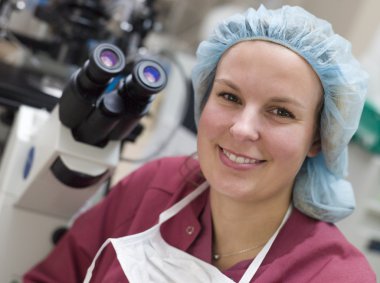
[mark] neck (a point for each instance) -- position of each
(249, 224)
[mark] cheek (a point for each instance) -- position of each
(211, 122)
(290, 145)
(205, 137)
(211, 128)
(204, 131)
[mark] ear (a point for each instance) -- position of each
(315, 147)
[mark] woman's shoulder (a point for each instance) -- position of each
(344, 262)
(323, 237)
(321, 251)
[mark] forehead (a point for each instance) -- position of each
(258, 63)
(276, 55)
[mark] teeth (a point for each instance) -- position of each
(239, 159)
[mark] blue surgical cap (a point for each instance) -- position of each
(320, 189)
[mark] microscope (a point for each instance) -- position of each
(55, 163)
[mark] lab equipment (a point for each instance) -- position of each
(55, 163)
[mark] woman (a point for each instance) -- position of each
(278, 97)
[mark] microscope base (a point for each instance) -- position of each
(30, 210)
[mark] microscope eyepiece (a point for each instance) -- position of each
(145, 79)
(150, 76)
(109, 58)
(106, 61)
(138, 91)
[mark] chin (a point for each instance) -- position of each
(235, 191)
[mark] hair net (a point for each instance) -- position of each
(320, 190)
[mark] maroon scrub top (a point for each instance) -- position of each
(305, 250)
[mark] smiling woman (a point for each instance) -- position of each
(255, 131)
(258, 120)
(278, 96)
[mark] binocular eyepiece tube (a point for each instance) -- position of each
(95, 116)
(138, 91)
(88, 83)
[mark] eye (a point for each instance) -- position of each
(230, 97)
(283, 113)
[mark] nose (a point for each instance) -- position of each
(246, 126)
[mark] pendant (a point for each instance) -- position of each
(216, 256)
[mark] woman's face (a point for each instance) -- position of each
(259, 122)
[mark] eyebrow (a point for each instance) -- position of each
(228, 83)
(287, 100)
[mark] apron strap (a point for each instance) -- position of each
(167, 214)
(92, 266)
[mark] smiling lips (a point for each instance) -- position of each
(240, 159)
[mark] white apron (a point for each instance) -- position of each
(147, 258)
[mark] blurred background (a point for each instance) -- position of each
(43, 42)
